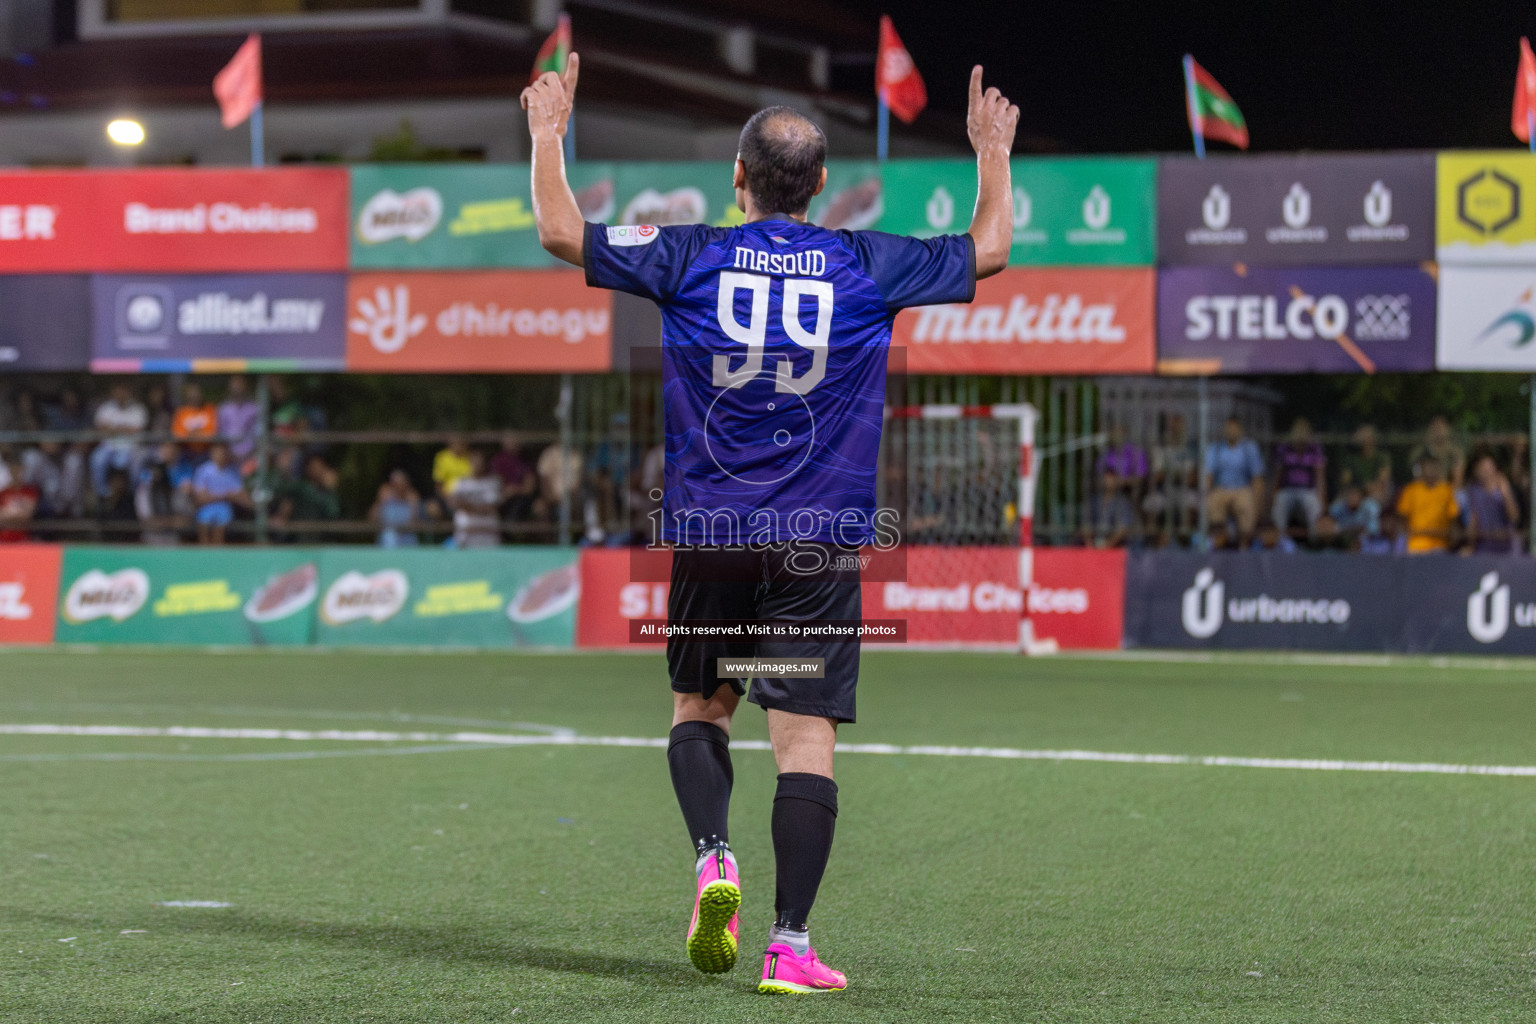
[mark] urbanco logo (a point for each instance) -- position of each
(1488, 610)
(1216, 209)
(387, 320)
(940, 210)
(1296, 208)
(1378, 205)
(1202, 607)
(1096, 209)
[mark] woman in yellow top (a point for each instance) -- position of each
(1429, 507)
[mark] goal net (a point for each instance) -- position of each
(962, 480)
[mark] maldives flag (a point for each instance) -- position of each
(1525, 92)
(238, 86)
(896, 79)
(1212, 114)
(553, 53)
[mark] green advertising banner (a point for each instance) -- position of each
(1066, 212)
(489, 597)
(446, 216)
(692, 192)
(853, 198)
(148, 595)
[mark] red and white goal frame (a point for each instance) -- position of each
(1024, 416)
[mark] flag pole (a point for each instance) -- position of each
(882, 129)
(258, 138)
(1191, 103)
(1530, 128)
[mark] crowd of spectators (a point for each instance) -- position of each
(158, 467)
(1442, 498)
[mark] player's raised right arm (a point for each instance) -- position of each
(548, 102)
(990, 122)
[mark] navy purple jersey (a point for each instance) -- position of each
(774, 343)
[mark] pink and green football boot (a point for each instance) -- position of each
(713, 933)
(785, 972)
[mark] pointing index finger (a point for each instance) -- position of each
(572, 70)
(976, 86)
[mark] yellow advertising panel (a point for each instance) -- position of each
(1485, 208)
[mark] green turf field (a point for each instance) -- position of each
(428, 879)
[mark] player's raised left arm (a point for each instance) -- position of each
(990, 122)
(548, 102)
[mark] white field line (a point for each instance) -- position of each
(489, 739)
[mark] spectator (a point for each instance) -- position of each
(67, 412)
(317, 495)
(1368, 467)
(1234, 472)
(58, 473)
(163, 496)
(121, 417)
(475, 500)
(18, 503)
(397, 508)
(1173, 502)
(217, 488)
(1356, 518)
(23, 414)
(196, 419)
(291, 418)
(1299, 476)
(1125, 459)
(1439, 443)
(158, 404)
(451, 465)
(238, 415)
(1272, 538)
(1109, 520)
(280, 487)
(1428, 507)
(518, 482)
(1491, 508)
(117, 508)
(1520, 480)
(559, 477)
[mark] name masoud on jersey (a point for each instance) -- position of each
(804, 264)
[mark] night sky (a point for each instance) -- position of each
(1105, 76)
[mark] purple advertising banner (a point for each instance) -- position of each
(45, 322)
(1213, 320)
(218, 322)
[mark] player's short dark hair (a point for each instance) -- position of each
(783, 152)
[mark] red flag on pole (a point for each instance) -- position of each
(238, 86)
(556, 49)
(896, 79)
(1525, 93)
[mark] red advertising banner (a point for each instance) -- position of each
(1079, 598)
(1038, 320)
(959, 596)
(29, 592)
(609, 599)
(177, 221)
(525, 321)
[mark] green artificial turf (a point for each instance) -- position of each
(546, 883)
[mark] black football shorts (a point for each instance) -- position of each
(779, 584)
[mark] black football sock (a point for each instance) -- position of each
(804, 813)
(699, 755)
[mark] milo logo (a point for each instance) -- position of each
(354, 596)
(98, 595)
(389, 215)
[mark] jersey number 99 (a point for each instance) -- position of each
(753, 333)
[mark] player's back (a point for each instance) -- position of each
(775, 336)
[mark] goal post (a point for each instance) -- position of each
(969, 474)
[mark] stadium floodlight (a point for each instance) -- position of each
(126, 132)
